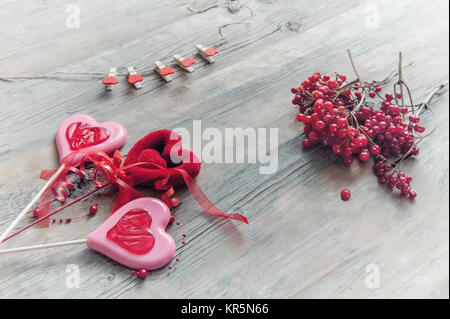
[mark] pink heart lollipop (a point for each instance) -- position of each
(74, 134)
(82, 131)
(135, 235)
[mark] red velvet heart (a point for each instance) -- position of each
(110, 80)
(157, 148)
(211, 51)
(80, 135)
(166, 71)
(135, 78)
(188, 62)
(132, 232)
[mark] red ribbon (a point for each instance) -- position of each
(111, 170)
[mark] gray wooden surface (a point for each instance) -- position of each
(303, 241)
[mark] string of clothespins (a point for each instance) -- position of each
(165, 70)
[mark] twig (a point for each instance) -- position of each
(354, 67)
(427, 101)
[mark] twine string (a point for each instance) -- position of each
(232, 5)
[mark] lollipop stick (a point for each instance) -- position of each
(58, 244)
(31, 204)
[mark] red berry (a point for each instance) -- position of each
(336, 148)
(375, 149)
(341, 122)
(93, 209)
(348, 161)
(351, 132)
(419, 128)
(142, 273)
(328, 106)
(345, 194)
(414, 119)
(37, 213)
(364, 156)
(319, 126)
(306, 143)
(300, 117)
(331, 84)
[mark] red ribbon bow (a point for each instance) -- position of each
(111, 170)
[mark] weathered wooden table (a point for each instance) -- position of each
(303, 241)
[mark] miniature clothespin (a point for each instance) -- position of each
(207, 53)
(134, 78)
(164, 71)
(111, 79)
(185, 64)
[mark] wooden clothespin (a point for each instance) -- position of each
(134, 78)
(111, 79)
(185, 64)
(164, 71)
(207, 53)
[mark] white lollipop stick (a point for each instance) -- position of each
(43, 246)
(31, 204)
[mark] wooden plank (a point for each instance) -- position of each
(302, 241)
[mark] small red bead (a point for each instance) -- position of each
(93, 209)
(37, 213)
(142, 273)
(345, 194)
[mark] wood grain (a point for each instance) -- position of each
(303, 242)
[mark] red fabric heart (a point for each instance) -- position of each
(110, 80)
(135, 78)
(211, 51)
(188, 62)
(80, 135)
(166, 71)
(132, 232)
(157, 148)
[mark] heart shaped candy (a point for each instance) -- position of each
(82, 131)
(135, 78)
(135, 235)
(110, 80)
(132, 232)
(188, 62)
(211, 51)
(166, 71)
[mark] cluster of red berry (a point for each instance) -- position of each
(356, 120)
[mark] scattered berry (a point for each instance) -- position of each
(345, 194)
(93, 209)
(142, 273)
(37, 213)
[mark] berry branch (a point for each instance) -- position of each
(355, 119)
